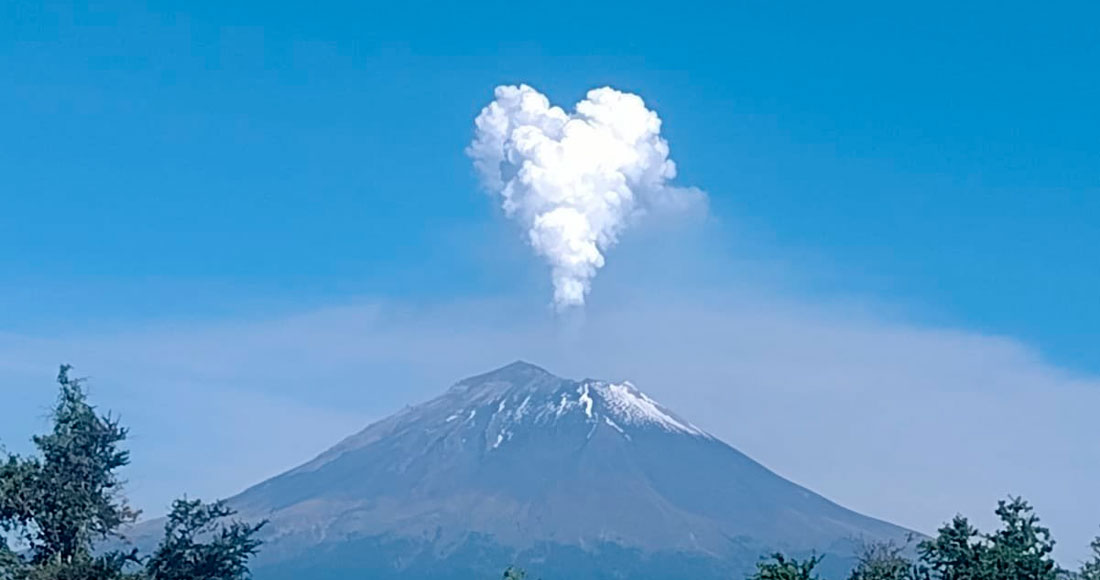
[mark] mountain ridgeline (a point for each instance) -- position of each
(577, 479)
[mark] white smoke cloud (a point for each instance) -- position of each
(576, 180)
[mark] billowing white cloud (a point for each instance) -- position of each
(574, 181)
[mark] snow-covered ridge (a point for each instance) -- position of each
(618, 406)
(630, 406)
(501, 405)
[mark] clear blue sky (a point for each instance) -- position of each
(174, 172)
(187, 159)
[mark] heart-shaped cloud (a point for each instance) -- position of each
(575, 180)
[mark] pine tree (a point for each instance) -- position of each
(1019, 550)
(1022, 548)
(957, 552)
(222, 556)
(780, 567)
(64, 504)
(1091, 569)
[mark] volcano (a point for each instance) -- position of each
(570, 479)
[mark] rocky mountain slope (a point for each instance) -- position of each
(574, 479)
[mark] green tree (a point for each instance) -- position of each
(957, 552)
(780, 567)
(223, 555)
(1091, 569)
(514, 573)
(61, 506)
(886, 561)
(1022, 548)
(1019, 550)
(9, 561)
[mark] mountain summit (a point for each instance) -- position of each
(577, 479)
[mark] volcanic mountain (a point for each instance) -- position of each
(570, 479)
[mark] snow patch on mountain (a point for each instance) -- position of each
(633, 407)
(620, 406)
(585, 400)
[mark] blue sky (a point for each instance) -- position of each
(195, 165)
(944, 157)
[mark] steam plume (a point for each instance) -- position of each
(575, 180)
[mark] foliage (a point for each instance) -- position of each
(780, 567)
(514, 573)
(225, 554)
(1091, 569)
(957, 552)
(886, 561)
(60, 506)
(1020, 549)
(9, 561)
